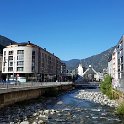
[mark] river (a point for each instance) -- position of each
(68, 110)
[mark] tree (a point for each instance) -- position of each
(106, 86)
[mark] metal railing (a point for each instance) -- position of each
(31, 84)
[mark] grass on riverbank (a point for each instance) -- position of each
(106, 88)
(120, 109)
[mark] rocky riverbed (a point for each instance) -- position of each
(74, 107)
(97, 97)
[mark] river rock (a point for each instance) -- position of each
(46, 112)
(34, 122)
(44, 117)
(24, 122)
(35, 114)
(97, 97)
(41, 122)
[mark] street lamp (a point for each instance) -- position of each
(7, 62)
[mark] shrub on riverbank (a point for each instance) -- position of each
(106, 86)
(120, 109)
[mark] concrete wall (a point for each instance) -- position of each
(21, 95)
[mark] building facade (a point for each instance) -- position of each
(1, 59)
(114, 69)
(117, 65)
(30, 61)
(120, 61)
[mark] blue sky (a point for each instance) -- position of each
(72, 29)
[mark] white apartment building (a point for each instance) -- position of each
(120, 63)
(30, 62)
(114, 68)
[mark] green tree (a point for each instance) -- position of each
(106, 86)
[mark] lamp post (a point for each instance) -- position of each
(7, 61)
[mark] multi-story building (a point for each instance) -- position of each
(63, 72)
(117, 65)
(114, 69)
(120, 61)
(1, 57)
(63, 68)
(30, 61)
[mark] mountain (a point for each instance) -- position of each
(98, 62)
(4, 42)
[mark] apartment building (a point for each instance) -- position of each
(31, 62)
(114, 68)
(116, 65)
(1, 58)
(120, 61)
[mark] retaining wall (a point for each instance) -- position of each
(17, 95)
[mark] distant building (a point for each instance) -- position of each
(63, 68)
(98, 76)
(110, 71)
(1, 59)
(63, 72)
(80, 70)
(31, 62)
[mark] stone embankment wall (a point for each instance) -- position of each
(18, 95)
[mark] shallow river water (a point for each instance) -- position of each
(70, 111)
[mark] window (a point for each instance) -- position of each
(118, 69)
(19, 68)
(119, 75)
(4, 53)
(10, 52)
(4, 59)
(10, 69)
(33, 58)
(10, 63)
(33, 63)
(4, 63)
(33, 53)
(33, 69)
(3, 69)
(122, 59)
(122, 67)
(20, 63)
(20, 52)
(10, 57)
(20, 57)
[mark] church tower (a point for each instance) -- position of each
(80, 69)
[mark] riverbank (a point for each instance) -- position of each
(64, 108)
(97, 97)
